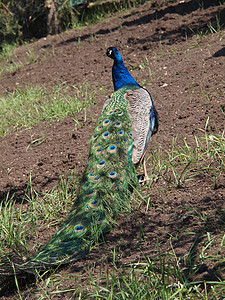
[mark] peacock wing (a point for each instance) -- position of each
(144, 120)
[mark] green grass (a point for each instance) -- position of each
(21, 222)
(164, 274)
(211, 28)
(11, 63)
(157, 278)
(7, 51)
(182, 162)
(94, 13)
(29, 106)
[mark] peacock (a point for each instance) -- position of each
(117, 146)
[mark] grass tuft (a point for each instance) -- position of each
(29, 106)
(183, 163)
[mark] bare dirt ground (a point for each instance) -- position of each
(182, 65)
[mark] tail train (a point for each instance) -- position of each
(117, 146)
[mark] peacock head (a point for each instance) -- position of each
(113, 53)
(120, 74)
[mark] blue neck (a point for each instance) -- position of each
(121, 76)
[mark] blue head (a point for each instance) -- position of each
(120, 74)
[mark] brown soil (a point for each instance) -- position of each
(182, 66)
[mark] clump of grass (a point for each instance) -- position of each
(217, 27)
(29, 106)
(212, 28)
(93, 13)
(182, 163)
(163, 276)
(21, 222)
(7, 51)
(11, 63)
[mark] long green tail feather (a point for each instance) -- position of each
(104, 191)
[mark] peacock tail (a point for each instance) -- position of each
(117, 146)
(105, 189)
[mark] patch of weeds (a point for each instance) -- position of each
(77, 44)
(217, 27)
(93, 37)
(6, 171)
(21, 221)
(29, 106)
(214, 147)
(175, 165)
(7, 51)
(180, 159)
(48, 53)
(199, 32)
(159, 277)
(142, 66)
(212, 28)
(205, 257)
(11, 66)
(208, 92)
(92, 13)
(38, 141)
(11, 63)
(166, 52)
(31, 57)
(13, 227)
(183, 163)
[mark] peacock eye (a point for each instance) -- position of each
(90, 193)
(101, 164)
(94, 203)
(112, 174)
(79, 228)
(99, 220)
(105, 135)
(106, 122)
(112, 148)
(97, 178)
